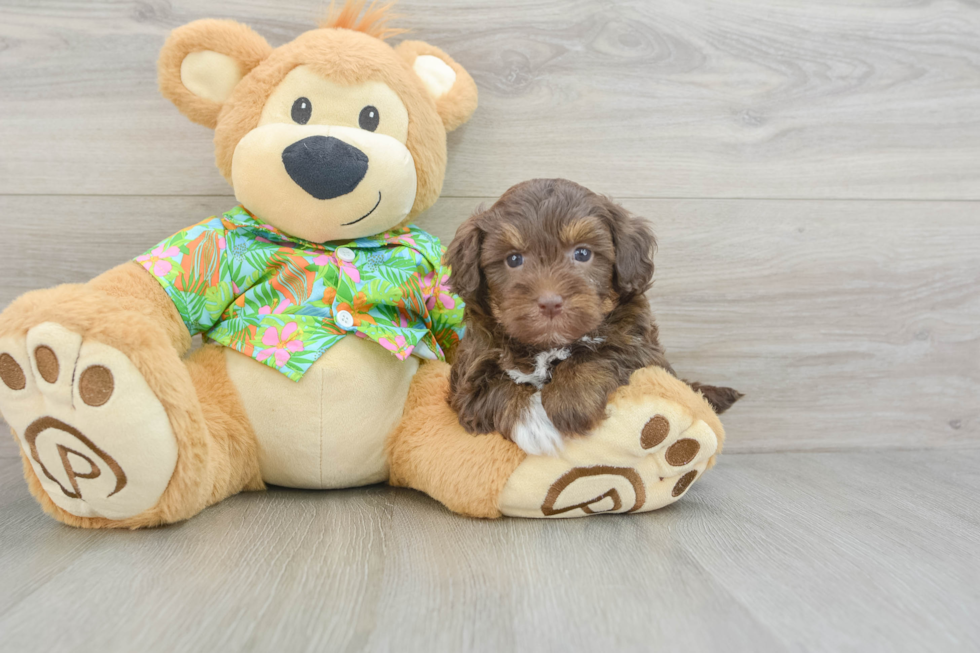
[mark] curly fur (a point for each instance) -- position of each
(604, 329)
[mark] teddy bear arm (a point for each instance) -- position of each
(131, 288)
(429, 450)
(658, 438)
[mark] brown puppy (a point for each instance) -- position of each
(553, 277)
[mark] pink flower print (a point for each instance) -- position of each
(435, 288)
(403, 239)
(343, 266)
(222, 244)
(349, 270)
(154, 260)
(268, 310)
(395, 345)
(403, 318)
(280, 347)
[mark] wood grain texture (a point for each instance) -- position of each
(773, 552)
(711, 98)
(849, 324)
(8, 445)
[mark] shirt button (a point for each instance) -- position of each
(345, 320)
(345, 254)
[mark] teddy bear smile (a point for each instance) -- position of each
(364, 217)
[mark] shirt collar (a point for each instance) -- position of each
(244, 218)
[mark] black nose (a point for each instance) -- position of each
(324, 166)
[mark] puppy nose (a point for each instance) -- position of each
(550, 304)
(324, 166)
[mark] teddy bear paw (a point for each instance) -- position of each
(98, 439)
(644, 456)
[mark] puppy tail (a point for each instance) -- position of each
(720, 397)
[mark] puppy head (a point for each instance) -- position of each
(549, 261)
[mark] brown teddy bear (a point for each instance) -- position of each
(326, 315)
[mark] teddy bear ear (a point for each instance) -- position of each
(447, 83)
(202, 62)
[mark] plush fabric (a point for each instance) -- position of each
(358, 180)
(281, 300)
(330, 55)
(120, 428)
(657, 439)
(225, 37)
(430, 452)
(141, 336)
(328, 430)
(456, 105)
(122, 476)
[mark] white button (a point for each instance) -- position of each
(345, 320)
(345, 254)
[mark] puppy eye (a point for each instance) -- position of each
(514, 261)
(369, 118)
(302, 110)
(583, 254)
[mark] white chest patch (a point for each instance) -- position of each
(542, 368)
(535, 433)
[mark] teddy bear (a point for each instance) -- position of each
(325, 312)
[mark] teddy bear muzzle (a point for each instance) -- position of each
(324, 166)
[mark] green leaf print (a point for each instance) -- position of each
(265, 282)
(379, 291)
(217, 298)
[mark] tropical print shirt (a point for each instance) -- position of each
(284, 301)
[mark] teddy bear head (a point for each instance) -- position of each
(333, 136)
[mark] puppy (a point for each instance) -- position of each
(553, 276)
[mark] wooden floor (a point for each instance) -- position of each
(771, 552)
(812, 171)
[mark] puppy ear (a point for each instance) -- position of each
(463, 258)
(448, 83)
(202, 62)
(635, 246)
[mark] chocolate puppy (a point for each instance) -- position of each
(553, 276)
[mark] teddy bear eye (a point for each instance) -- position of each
(514, 261)
(302, 110)
(369, 118)
(583, 254)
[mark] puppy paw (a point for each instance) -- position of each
(535, 433)
(575, 413)
(654, 444)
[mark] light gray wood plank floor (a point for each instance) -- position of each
(812, 171)
(770, 552)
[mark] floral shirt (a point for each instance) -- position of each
(284, 301)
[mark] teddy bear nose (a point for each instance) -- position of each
(550, 305)
(324, 166)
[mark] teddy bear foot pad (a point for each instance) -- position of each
(645, 456)
(98, 439)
